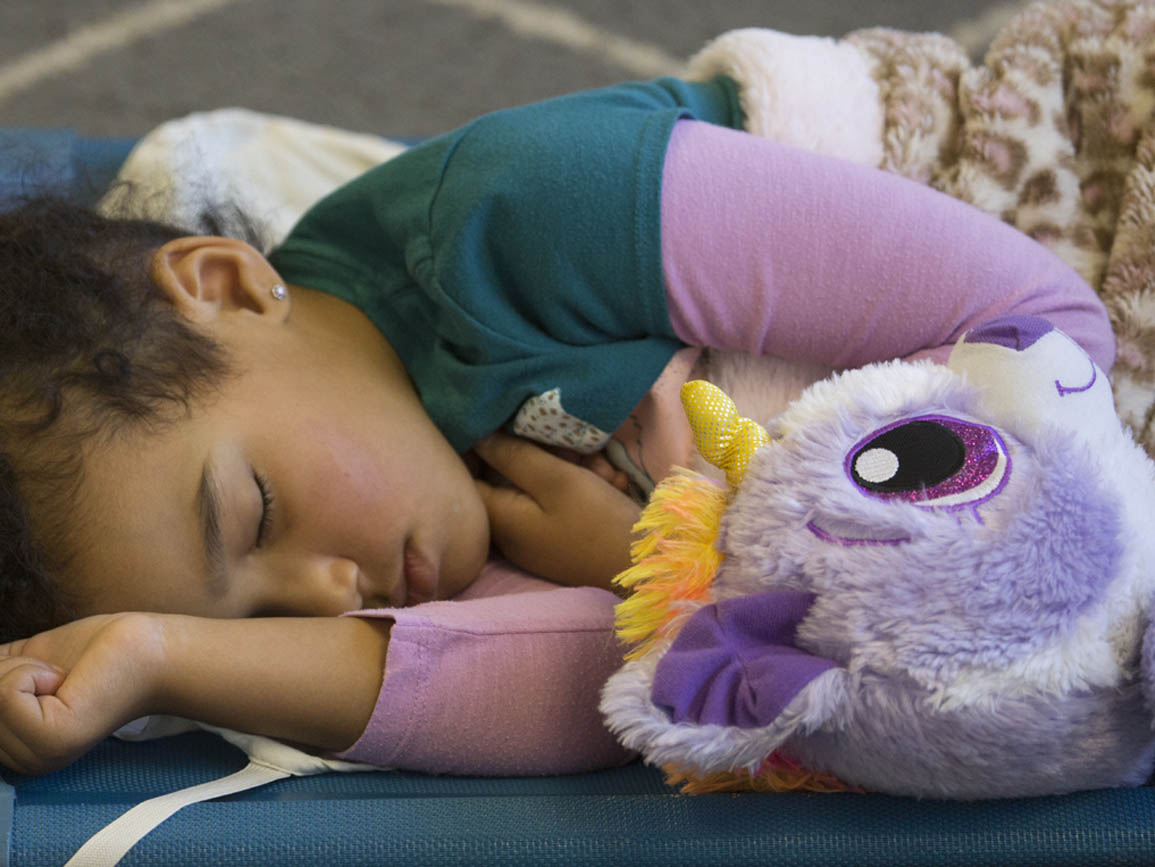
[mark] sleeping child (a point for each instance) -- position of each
(367, 494)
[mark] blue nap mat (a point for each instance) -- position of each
(619, 818)
(37, 161)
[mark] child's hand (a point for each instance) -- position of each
(63, 691)
(309, 680)
(561, 521)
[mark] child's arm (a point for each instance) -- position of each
(505, 685)
(498, 685)
(312, 681)
(776, 251)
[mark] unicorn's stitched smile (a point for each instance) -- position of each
(826, 535)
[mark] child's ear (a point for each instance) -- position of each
(206, 276)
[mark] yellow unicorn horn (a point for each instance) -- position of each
(724, 438)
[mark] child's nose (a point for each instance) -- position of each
(324, 586)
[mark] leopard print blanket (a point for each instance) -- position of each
(1054, 132)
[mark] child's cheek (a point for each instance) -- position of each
(344, 478)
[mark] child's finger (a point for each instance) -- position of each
(528, 466)
(506, 507)
(600, 466)
(13, 648)
(515, 521)
(30, 741)
(26, 676)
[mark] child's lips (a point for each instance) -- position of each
(421, 576)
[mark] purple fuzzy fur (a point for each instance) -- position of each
(962, 591)
(889, 740)
(992, 641)
(972, 592)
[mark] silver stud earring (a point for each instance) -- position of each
(279, 292)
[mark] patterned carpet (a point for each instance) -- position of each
(398, 67)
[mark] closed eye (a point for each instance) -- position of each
(267, 504)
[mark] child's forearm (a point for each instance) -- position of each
(446, 708)
(313, 681)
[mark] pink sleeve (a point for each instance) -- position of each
(777, 251)
(500, 685)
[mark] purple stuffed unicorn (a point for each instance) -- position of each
(933, 581)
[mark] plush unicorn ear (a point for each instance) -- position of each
(722, 437)
(1032, 373)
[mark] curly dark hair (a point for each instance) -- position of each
(88, 347)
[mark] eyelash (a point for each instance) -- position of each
(267, 503)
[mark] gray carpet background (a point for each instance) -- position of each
(395, 67)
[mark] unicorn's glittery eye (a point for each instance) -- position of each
(932, 461)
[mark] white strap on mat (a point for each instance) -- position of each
(107, 846)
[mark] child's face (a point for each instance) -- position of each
(313, 484)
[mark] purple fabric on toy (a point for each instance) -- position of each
(735, 663)
(1014, 332)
